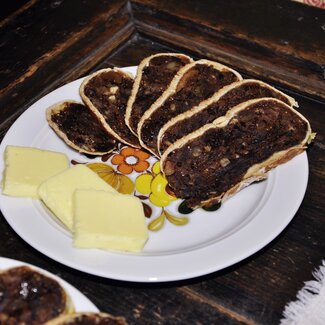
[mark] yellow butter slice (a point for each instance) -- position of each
(57, 192)
(109, 221)
(26, 168)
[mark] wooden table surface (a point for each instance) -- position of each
(45, 44)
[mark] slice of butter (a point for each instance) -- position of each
(109, 220)
(26, 168)
(57, 192)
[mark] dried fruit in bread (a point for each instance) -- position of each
(153, 76)
(194, 83)
(29, 297)
(106, 93)
(222, 157)
(79, 128)
(216, 106)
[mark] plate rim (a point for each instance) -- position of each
(301, 160)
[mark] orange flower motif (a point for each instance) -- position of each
(130, 159)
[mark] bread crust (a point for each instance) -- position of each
(255, 172)
(100, 117)
(171, 89)
(143, 64)
(218, 95)
(57, 108)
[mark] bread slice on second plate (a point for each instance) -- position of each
(31, 297)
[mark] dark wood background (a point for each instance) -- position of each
(45, 44)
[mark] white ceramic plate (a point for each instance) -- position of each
(210, 242)
(80, 302)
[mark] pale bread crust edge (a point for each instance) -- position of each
(144, 63)
(255, 172)
(203, 105)
(99, 116)
(57, 108)
(170, 90)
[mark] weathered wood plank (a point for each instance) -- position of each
(263, 39)
(9, 9)
(75, 38)
(133, 51)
